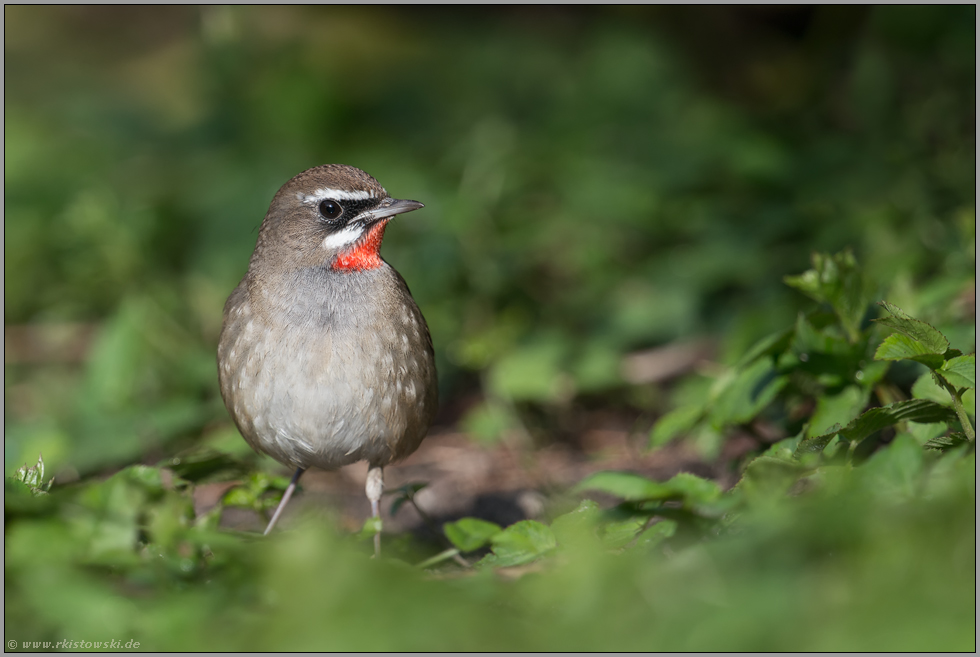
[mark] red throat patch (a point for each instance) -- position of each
(365, 254)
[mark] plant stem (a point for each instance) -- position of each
(442, 556)
(960, 410)
(435, 530)
(964, 419)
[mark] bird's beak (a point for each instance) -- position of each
(389, 208)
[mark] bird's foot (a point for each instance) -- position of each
(374, 486)
(285, 499)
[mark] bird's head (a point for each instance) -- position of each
(333, 215)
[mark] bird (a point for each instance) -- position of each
(324, 358)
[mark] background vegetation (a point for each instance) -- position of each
(597, 182)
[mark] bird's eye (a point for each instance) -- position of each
(330, 209)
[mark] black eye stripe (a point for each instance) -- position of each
(348, 210)
(355, 207)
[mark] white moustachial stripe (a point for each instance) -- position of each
(348, 235)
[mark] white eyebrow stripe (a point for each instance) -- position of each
(348, 235)
(337, 195)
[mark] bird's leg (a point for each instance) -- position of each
(373, 487)
(285, 498)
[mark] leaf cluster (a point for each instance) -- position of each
(817, 379)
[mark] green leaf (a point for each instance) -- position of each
(836, 280)
(817, 444)
(770, 345)
(203, 464)
(926, 387)
(251, 492)
(634, 488)
(620, 533)
(945, 443)
(371, 527)
(576, 523)
(396, 504)
(240, 497)
(769, 477)
(876, 419)
(894, 470)
(901, 347)
(678, 421)
(147, 477)
(33, 477)
(629, 486)
(784, 449)
(116, 504)
(470, 534)
(693, 489)
(923, 433)
(837, 409)
(932, 341)
(520, 543)
(657, 533)
(743, 394)
(809, 339)
(961, 371)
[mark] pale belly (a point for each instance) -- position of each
(311, 397)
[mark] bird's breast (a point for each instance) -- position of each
(327, 372)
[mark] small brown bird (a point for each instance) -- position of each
(324, 358)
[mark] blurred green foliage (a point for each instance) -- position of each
(596, 181)
(871, 553)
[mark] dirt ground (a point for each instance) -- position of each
(502, 483)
